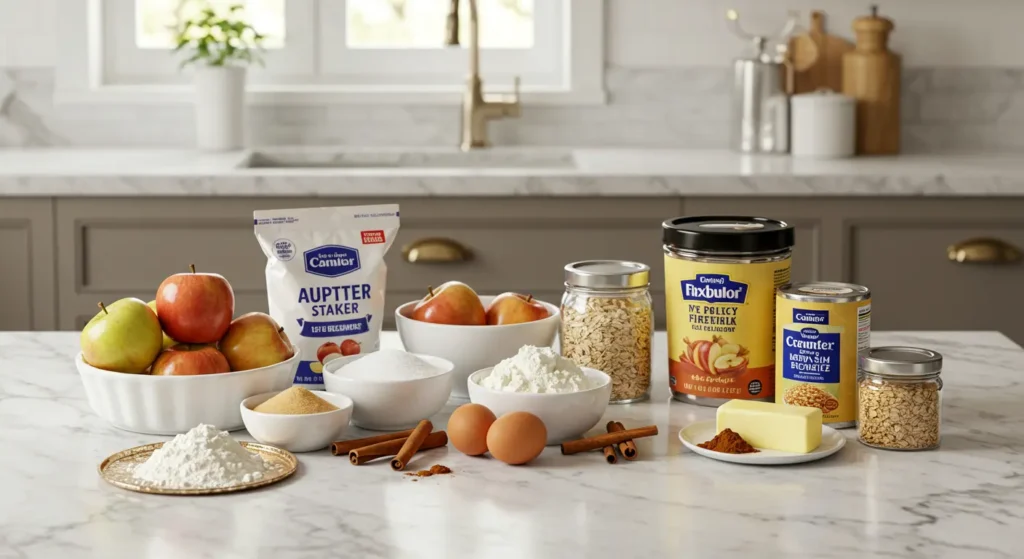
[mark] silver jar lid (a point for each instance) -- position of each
(825, 292)
(901, 361)
(607, 274)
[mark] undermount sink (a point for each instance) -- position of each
(485, 158)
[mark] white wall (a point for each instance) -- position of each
(940, 33)
(26, 33)
(679, 33)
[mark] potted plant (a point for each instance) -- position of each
(219, 47)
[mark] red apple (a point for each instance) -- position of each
(513, 308)
(452, 303)
(327, 349)
(184, 359)
(350, 347)
(195, 308)
(255, 340)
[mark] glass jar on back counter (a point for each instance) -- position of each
(608, 323)
(899, 398)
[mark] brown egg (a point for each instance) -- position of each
(467, 428)
(517, 437)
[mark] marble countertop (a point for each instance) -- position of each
(592, 172)
(964, 500)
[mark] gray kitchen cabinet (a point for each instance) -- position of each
(27, 253)
(62, 256)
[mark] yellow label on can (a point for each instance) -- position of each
(816, 356)
(721, 327)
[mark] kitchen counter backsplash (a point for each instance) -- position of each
(943, 109)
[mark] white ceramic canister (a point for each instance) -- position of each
(824, 125)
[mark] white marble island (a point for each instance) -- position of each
(965, 500)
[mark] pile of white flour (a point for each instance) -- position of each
(203, 458)
(538, 370)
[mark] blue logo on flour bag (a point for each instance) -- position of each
(809, 355)
(331, 261)
(714, 288)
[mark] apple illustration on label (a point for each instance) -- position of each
(184, 359)
(328, 348)
(350, 347)
(255, 340)
(124, 336)
(195, 308)
(452, 302)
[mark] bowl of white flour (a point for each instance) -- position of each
(569, 399)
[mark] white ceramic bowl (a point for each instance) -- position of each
(566, 415)
(168, 405)
(297, 433)
(392, 405)
(472, 348)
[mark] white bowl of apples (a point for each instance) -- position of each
(474, 332)
(140, 378)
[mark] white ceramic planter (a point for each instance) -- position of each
(220, 107)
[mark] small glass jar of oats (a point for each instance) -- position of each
(607, 323)
(899, 398)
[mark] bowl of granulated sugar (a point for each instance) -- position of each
(392, 389)
(296, 419)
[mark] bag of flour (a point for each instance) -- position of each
(325, 279)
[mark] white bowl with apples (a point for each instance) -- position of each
(299, 432)
(164, 367)
(474, 332)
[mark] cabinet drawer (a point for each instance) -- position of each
(915, 286)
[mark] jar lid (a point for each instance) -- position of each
(822, 97)
(901, 361)
(825, 292)
(728, 234)
(607, 274)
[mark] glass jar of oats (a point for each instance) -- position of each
(899, 398)
(607, 323)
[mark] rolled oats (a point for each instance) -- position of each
(898, 414)
(611, 335)
(811, 396)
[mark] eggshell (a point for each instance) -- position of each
(517, 437)
(467, 428)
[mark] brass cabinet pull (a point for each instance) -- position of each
(436, 250)
(984, 250)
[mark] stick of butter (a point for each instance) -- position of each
(772, 426)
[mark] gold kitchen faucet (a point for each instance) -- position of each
(476, 110)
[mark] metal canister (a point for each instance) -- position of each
(721, 273)
(760, 105)
(821, 329)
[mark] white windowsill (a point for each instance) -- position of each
(320, 95)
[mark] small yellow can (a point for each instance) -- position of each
(821, 328)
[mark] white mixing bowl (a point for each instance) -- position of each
(566, 415)
(168, 405)
(297, 433)
(392, 405)
(472, 348)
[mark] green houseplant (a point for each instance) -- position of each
(219, 45)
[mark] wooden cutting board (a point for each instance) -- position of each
(817, 58)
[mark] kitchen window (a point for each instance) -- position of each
(340, 50)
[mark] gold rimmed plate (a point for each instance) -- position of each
(118, 468)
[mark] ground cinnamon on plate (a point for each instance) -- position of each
(729, 442)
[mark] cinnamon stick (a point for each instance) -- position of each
(344, 447)
(628, 448)
(592, 443)
(363, 455)
(609, 454)
(412, 445)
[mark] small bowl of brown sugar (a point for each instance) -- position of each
(296, 419)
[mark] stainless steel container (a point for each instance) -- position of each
(760, 105)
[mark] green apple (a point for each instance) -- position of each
(124, 336)
(168, 341)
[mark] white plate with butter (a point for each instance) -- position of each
(702, 431)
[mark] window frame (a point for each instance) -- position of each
(83, 69)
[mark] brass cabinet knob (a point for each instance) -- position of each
(436, 250)
(984, 250)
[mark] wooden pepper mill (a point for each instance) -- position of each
(871, 75)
